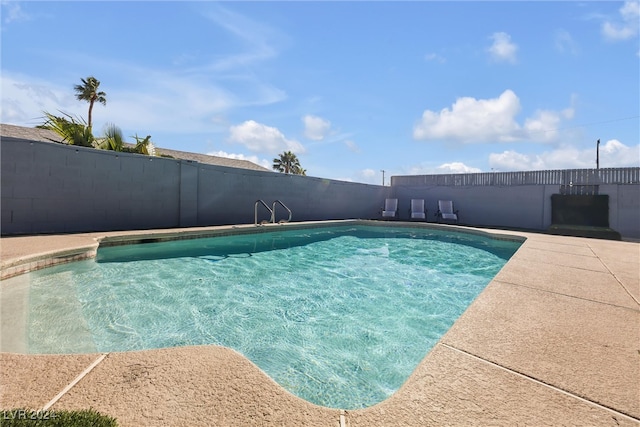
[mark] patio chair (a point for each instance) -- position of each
(417, 210)
(390, 209)
(445, 211)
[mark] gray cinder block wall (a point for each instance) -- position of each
(517, 207)
(520, 206)
(55, 188)
(624, 208)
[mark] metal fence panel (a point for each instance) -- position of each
(566, 177)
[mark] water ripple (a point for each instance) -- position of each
(340, 320)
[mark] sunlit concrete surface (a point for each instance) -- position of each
(554, 339)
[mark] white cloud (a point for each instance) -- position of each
(12, 12)
(513, 161)
(168, 102)
(368, 173)
(471, 120)
(456, 167)
(259, 40)
(187, 99)
(616, 154)
(352, 146)
(613, 153)
(543, 126)
(502, 49)
(182, 102)
(565, 43)
(445, 168)
(368, 176)
(261, 138)
(137, 98)
(24, 99)
(626, 26)
(316, 128)
(254, 159)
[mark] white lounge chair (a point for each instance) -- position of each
(445, 211)
(417, 209)
(390, 209)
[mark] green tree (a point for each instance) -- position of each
(288, 162)
(88, 91)
(73, 131)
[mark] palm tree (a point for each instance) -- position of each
(88, 91)
(288, 162)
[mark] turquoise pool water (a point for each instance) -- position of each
(338, 316)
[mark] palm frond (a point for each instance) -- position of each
(288, 162)
(144, 146)
(112, 138)
(72, 130)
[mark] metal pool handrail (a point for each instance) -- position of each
(273, 212)
(255, 210)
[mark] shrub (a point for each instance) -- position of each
(54, 418)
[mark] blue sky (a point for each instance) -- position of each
(352, 88)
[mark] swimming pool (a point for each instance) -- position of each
(339, 316)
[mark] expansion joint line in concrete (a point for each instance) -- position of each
(591, 300)
(542, 383)
(615, 277)
(75, 381)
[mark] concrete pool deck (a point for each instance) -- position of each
(554, 339)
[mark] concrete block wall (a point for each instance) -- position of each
(55, 188)
(188, 195)
(228, 196)
(52, 188)
(308, 198)
(624, 208)
(519, 206)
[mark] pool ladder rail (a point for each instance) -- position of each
(272, 211)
